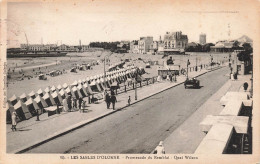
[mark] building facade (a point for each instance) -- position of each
(134, 47)
(38, 47)
(203, 39)
(175, 42)
(144, 44)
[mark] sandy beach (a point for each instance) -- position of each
(32, 67)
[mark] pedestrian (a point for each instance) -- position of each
(69, 103)
(113, 101)
(65, 105)
(80, 102)
(245, 85)
(129, 100)
(170, 76)
(83, 105)
(14, 123)
(74, 103)
(159, 149)
(107, 100)
(112, 92)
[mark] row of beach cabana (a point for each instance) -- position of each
(28, 105)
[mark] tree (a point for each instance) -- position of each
(245, 55)
(206, 47)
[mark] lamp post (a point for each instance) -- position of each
(136, 90)
(188, 63)
(251, 79)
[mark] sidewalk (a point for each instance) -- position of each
(186, 138)
(32, 133)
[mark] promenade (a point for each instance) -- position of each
(186, 138)
(31, 133)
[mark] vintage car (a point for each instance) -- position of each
(194, 83)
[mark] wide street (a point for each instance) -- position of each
(140, 127)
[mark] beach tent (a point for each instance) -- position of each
(54, 73)
(32, 106)
(48, 99)
(32, 94)
(71, 92)
(94, 87)
(76, 92)
(75, 83)
(57, 97)
(73, 69)
(82, 68)
(13, 100)
(62, 94)
(102, 83)
(108, 81)
(91, 79)
(40, 102)
(88, 80)
(53, 89)
(68, 91)
(83, 81)
(23, 97)
(22, 110)
(80, 82)
(65, 85)
(9, 112)
(86, 89)
(40, 92)
(121, 76)
(118, 79)
(99, 86)
(47, 90)
(59, 87)
(82, 91)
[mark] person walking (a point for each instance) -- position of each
(74, 103)
(113, 101)
(107, 100)
(245, 85)
(69, 103)
(65, 105)
(159, 149)
(14, 123)
(170, 76)
(129, 100)
(83, 106)
(80, 102)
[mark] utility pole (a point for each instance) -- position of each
(196, 68)
(188, 63)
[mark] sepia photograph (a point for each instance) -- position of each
(130, 81)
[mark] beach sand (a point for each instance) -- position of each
(16, 87)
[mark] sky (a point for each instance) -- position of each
(68, 22)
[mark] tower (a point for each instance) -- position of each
(202, 39)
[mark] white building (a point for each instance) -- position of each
(144, 44)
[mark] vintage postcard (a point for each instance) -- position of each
(128, 81)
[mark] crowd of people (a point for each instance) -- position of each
(72, 103)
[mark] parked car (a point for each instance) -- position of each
(194, 83)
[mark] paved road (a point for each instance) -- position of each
(140, 127)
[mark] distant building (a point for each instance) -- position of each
(144, 44)
(154, 47)
(134, 47)
(175, 42)
(225, 46)
(203, 39)
(160, 46)
(38, 47)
